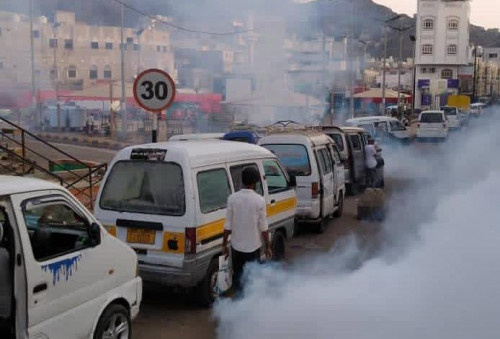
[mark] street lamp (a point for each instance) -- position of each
(386, 23)
(474, 80)
(56, 70)
(139, 33)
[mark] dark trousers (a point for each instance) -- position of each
(238, 261)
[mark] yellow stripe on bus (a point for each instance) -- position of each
(281, 206)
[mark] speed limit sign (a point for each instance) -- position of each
(154, 90)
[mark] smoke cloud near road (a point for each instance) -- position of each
(433, 275)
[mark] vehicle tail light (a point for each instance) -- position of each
(190, 242)
(314, 190)
(418, 125)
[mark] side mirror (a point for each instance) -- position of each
(1, 232)
(95, 234)
(343, 157)
(293, 181)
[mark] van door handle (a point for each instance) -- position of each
(40, 288)
(273, 202)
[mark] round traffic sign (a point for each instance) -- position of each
(154, 90)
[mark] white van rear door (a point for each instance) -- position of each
(64, 270)
(325, 162)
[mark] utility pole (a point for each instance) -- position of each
(383, 70)
(351, 55)
(414, 73)
(33, 87)
(123, 108)
(400, 63)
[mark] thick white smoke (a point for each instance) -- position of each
(433, 275)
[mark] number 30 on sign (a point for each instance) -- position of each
(154, 90)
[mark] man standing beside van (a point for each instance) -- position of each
(370, 162)
(246, 221)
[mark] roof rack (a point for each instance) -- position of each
(290, 126)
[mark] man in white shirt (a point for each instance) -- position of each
(247, 223)
(370, 162)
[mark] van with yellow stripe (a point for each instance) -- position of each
(168, 202)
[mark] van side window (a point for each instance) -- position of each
(355, 142)
(55, 228)
(236, 176)
(327, 159)
(213, 190)
(336, 156)
(275, 177)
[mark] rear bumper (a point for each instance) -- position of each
(308, 210)
(192, 272)
(432, 133)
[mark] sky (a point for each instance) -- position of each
(483, 12)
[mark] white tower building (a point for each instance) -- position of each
(442, 49)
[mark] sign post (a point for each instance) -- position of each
(154, 91)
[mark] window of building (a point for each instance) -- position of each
(36, 34)
(93, 74)
(109, 45)
(165, 49)
(130, 40)
(53, 43)
(236, 172)
(423, 70)
(107, 72)
(213, 190)
(94, 45)
(432, 70)
(493, 56)
(158, 48)
(427, 49)
(137, 47)
(1, 64)
(53, 74)
(451, 49)
(453, 24)
(68, 43)
(428, 24)
(0, 31)
(65, 230)
(446, 74)
(72, 72)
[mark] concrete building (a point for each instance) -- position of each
(442, 50)
(77, 55)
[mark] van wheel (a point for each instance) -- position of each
(207, 289)
(278, 246)
(340, 207)
(114, 323)
(320, 227)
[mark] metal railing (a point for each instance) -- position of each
(81, 182)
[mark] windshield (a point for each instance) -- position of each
(339, 141)
(397, 126)
(145, 187)
(449, 110)
(294, 157)
(431, 117)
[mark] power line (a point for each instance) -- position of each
(191, 30)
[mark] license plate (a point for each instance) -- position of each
(138, 236)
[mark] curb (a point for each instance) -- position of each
(78, 141)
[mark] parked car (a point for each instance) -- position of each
(476, 109)
(432, 125)
(313, 159)
(351, 142)
(453, 116)
(71, 278)
(384, 129)
(168, 201)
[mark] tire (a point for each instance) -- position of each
(340, 210)
(206, 290)
(278, 246)
(114, 323)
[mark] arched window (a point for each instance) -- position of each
(446, 74)
(453, 24)
(428, 24)
(72, 71)
(108, 74)
(451, 49)
(427, 49)
(93, 72)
